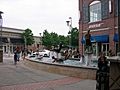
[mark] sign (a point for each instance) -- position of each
(95, 25)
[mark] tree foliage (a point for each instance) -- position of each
(27, 35)
(53, 39)
(74, 37)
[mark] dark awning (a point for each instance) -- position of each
(4, 40)
(115, 38)
(97, 38)
(16, 40)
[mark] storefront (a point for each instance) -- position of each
(12, 39)
(100, 17)
(100, 43)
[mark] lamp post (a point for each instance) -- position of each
(40, 41)
(118, 27)
(25, 42)
(1, 49)
(69, 24)
(25, 46)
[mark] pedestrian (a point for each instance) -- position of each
(102, 63)
(102, 75)
(15, 58)
(88, 44)
(24, 54)
(57, 60)
(18, 55)
(66, 54)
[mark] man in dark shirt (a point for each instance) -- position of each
(102, 63)
(102, 75)
(88, 45)
(87, 38)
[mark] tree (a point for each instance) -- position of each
(64, 40)
(46, 39)
(53, 39)
(74, 37)
(28, 37)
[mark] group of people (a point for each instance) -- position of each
(71, 53)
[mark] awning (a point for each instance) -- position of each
(97, 38)
(4, 40)
(16, 40)
(115, 38)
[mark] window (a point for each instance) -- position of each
(95, 11)
(110, 6)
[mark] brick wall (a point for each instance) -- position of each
(81, 72)
(108, 26)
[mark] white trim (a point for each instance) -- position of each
(110, 6)
(94, 2)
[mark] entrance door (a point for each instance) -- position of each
(101, 47)
(105, 48)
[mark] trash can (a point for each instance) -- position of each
(1, 55)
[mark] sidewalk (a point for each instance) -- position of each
(20, 77)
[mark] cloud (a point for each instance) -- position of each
(40, 14)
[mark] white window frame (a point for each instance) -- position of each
(95, 16)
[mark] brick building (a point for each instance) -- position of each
(100, 17)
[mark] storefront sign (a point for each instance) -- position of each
(95, 25)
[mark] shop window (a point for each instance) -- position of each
(94, 49)
(95, 11)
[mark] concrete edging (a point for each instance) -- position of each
(81, 72)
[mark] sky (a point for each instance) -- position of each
(40, 15)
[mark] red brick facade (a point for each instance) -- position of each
(106, 26)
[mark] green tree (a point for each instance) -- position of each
(28, 37)
(64, 40)
(74, 37)
(46, 39)
(53, 39)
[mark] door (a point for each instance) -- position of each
(105, 48)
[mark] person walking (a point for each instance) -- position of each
(15, 58)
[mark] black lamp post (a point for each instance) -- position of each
(118, 27)
(1, 50)
(69, 24)
(40, 40)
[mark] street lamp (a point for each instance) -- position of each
(1, 49)
(69, 24)
(40, 40)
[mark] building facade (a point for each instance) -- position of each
(100, 17)
(12, 39)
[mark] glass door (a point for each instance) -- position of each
(105, 48)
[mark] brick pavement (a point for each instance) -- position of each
(47, 84)
(29, 79)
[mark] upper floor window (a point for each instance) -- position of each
(95, 11)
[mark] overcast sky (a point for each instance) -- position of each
(39, 15)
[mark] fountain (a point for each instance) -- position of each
(70, 67)
(78, 67)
